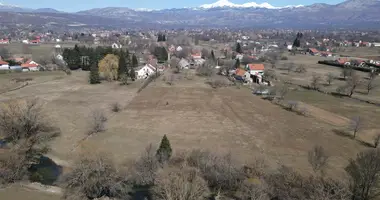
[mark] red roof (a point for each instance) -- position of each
(240, 72)
(256, 66)
(29, 65)
(314, 50)
(3, 62)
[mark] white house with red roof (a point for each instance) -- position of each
(30, 65)
(4, 65)
(145, 71)
(4, 41)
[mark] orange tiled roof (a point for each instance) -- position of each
(29, 65)
(3, 62)
(256, 66)
(240, 72)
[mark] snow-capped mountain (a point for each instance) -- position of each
(226, 3)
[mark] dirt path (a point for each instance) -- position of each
(325, 116)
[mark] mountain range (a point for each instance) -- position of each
(223, 13)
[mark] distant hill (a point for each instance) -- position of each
(349, 14)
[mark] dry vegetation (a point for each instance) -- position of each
(300, 147)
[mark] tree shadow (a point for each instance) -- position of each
(343, 133)
(364, 143)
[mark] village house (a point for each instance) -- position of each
(197, 55)
(30, 65)
(313, 51)
(4, 41)
(145, 71)
(116, 46)
(256, 72)
(183, 64)
(4, 65)
(242, 75)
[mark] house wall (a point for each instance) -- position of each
(253, 72)
(4, 67)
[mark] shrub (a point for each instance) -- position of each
(97, 123)
(115, 107)
(94, 176)
(284, 58)
(301, 69)
(221, 172)
(180, 183)
(145, 168)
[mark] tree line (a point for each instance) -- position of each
(82, 57)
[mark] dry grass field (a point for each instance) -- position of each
(193, 115)
(36, 50)
(313, 68)
(20, 193)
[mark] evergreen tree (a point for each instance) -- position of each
(237, 63)
(122, 70)
(164, 152)
(159, 39)
(132, 74)
(94, 74)
(238, 48)
(135, 62)
(212, 55)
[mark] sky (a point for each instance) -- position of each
(77, 5)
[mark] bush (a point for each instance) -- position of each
(284, 58)
(221, 172)
(115, 107)
(97, 123)
(180, 183)
(301, 69)
(26, 129)
(145, 168)
(13, 167)
(217, 83)
(94, 176)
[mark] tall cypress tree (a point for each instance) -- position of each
(237, 63)
(132, 74)
(122, 70)
(238, 48)
(212, 55)
(94, 74)
(164, 152)
(135, 62)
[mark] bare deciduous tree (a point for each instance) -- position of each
(365, 175)
(301, 69)
(346, 72)
(283, 90)
(315, 81)
(27, 131)
(250, 190)
(94, 176)
(371, 84)
(356, 125)
(352, 82)
(289, 67)
(206, 69)
(145, 168)
(318, 158)
(330, 78)
(221, 172)
(180, 183)
(97, 123)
